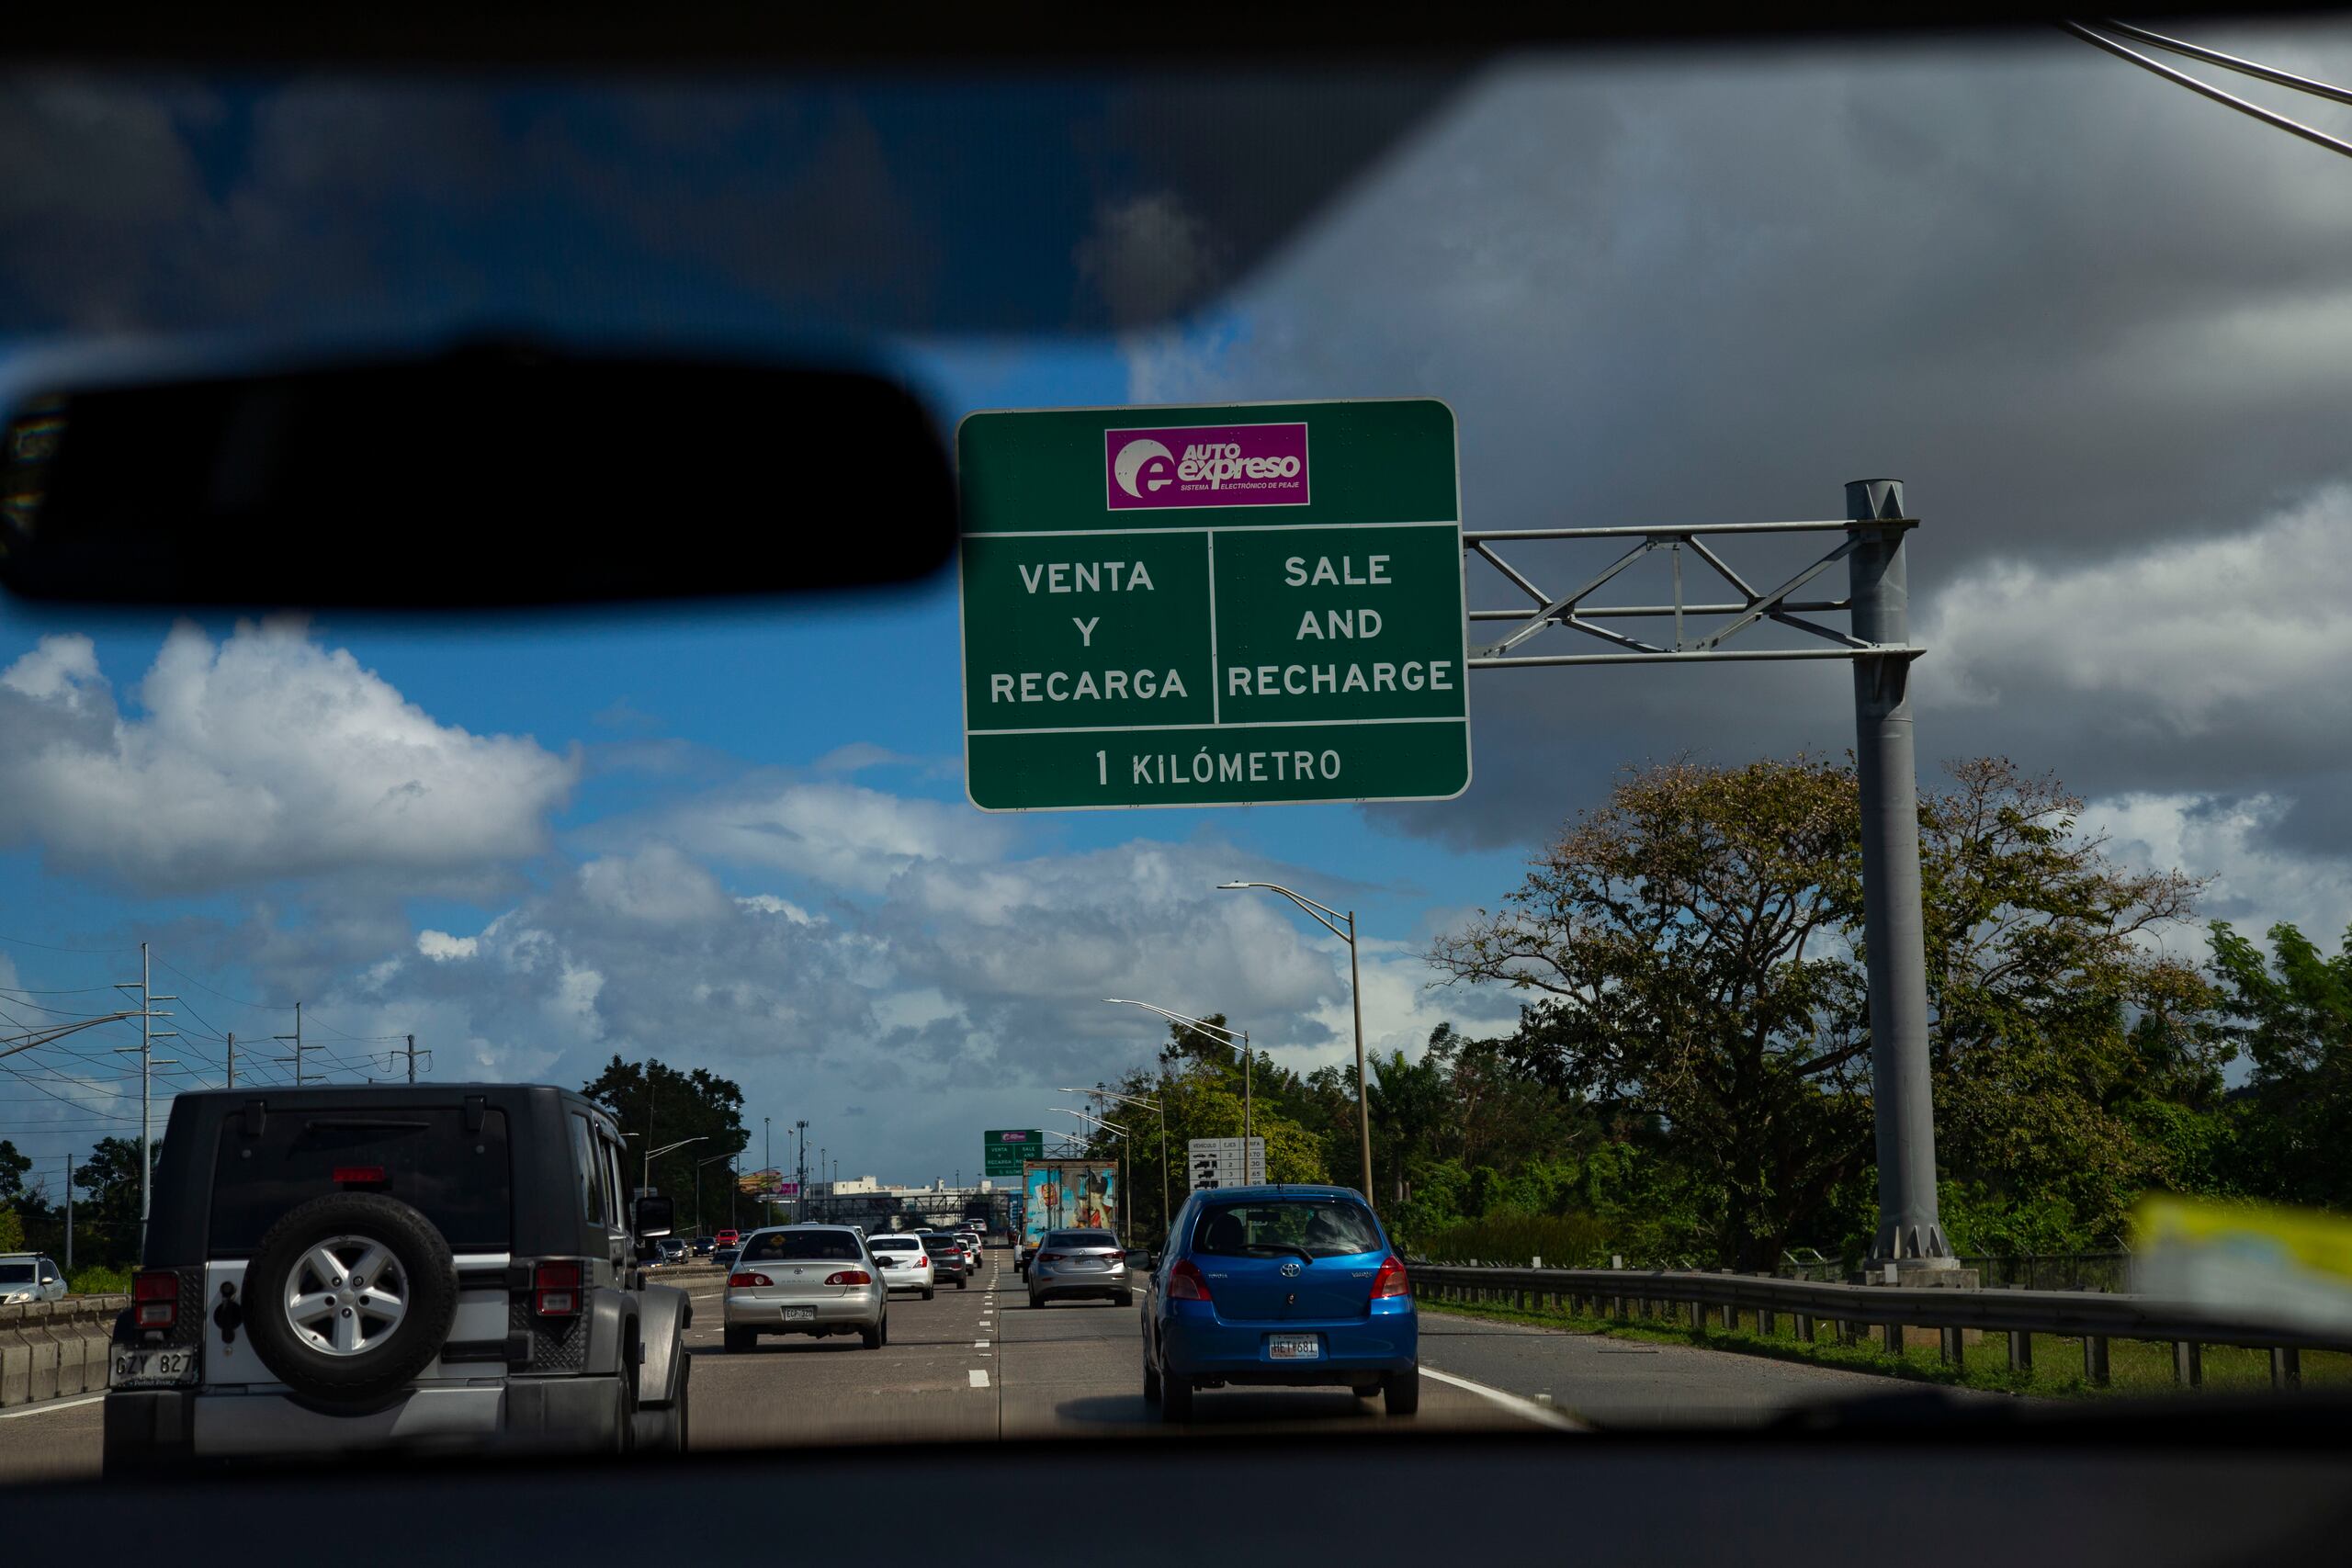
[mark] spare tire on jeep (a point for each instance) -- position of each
(350, 1295)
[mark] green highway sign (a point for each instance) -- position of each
(1221, 605)
(1007, 1147)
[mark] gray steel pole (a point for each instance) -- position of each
(146, 1087)
(1893, 926)
(1363, 1101)
(412, 1058)
(69, 1216)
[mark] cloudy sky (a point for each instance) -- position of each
(2101, 328)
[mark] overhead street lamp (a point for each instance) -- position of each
(698, 1165)
(1329, 919)
(1124, 1141)
(651, 1154)
(1166, 1214)
(1230, 1037)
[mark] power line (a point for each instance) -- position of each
(2230, 100)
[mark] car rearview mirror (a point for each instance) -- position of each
(656, 1217)
(490, 475)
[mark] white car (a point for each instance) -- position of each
(905, 1265)
(30, 1277)
(806, 1279)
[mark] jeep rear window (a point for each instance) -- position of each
(421, 1154)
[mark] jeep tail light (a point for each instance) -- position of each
(1184, 1282)
(850, 1277)
(555, 1289)
(1391, 1281)
(359, 1176)
(155, 1298)
(748, 1279)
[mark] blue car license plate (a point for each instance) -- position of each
(1293, 1347)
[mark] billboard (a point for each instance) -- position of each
(753, 1182)
(1069, 1194)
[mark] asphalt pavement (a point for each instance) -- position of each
(982, 1363)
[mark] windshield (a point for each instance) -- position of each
(1325, 1229)
(785, 1245)
(1709, 662)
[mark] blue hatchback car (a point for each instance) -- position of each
(1287, 1286)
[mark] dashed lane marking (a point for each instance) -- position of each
(980, 1377)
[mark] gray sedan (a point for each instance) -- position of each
(816, 1280)
(1080, 1263)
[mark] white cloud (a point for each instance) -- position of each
(440, 946)
(2256, 880)
(840, 835)
(2240, 634)
(262, 757)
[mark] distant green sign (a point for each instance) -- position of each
(1006, 1149)
(1213, 606)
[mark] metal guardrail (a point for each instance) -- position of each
(2093, 1317)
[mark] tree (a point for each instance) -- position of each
(1683, 943)
(105, 1217)
(1695, 950)
(2294, 1017)
(673, 1107)
(2074, 1064)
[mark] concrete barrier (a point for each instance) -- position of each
(56, 1350)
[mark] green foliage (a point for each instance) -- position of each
(106, 1209)
(11, 1232)
(2294, 1017)
(657, 1103)
(1507, 1234)
(100, 1281)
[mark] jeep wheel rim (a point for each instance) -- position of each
(346, 1296)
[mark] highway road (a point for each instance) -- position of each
(980, 1363)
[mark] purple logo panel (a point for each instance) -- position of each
(1206, 464)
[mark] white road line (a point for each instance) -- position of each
(980, 1378)
(1543, 1416)
(979, 1343)
(47, 1405)
(712, 1297)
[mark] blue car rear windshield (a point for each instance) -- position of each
(1321, 1227)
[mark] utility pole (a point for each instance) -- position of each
(412, 1058)
(1909, 1229)
(232, 1061)
(69, 1216)
(800, 1173)
(297, 1038)
(148, 1035)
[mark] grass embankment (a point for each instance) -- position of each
(97, 1281)
(2134, 1367)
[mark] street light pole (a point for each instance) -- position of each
(1329, 918)
(1229, 1036)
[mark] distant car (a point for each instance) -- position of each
(729, 1237)
(30, 1277)
(806, 1279)
(974, 1240)
(705, 1246)
(725, 1257)
(1078, 1264)
(1279, 1285)
(670, 1250)
(905, 1265)
(948, 1260)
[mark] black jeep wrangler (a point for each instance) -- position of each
(402, 1264)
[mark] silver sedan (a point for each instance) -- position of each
(812, 1279)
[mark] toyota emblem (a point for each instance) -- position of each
(1290, 1271)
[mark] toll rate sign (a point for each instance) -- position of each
(1213, 606)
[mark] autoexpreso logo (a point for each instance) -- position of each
(1206, 464)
